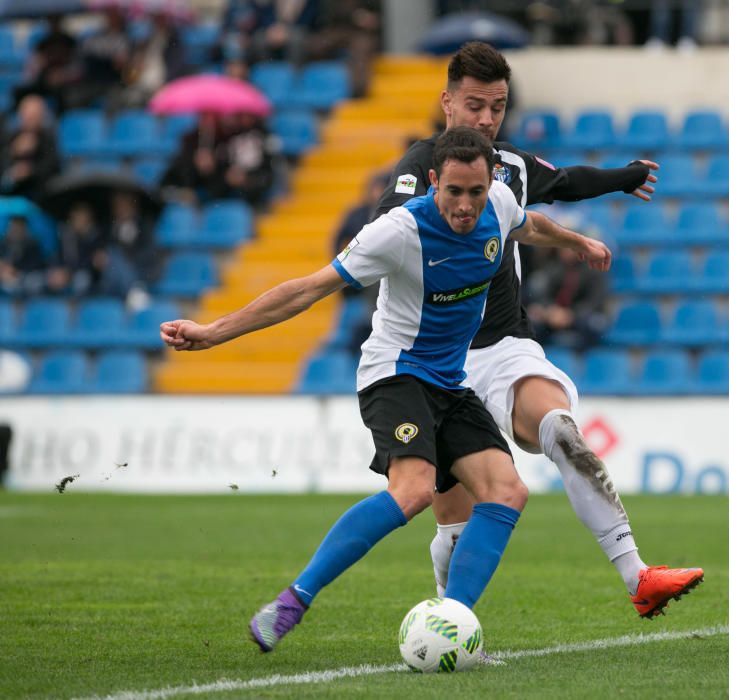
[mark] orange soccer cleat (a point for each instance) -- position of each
(658, 584)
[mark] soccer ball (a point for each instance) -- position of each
(440, 635)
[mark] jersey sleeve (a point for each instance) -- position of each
(377, 250)
(543, 180)
(510, 215)
(409, 177)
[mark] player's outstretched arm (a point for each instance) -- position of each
(274, 306)
(540, 230)
(645, 190)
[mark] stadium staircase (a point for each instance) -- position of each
(358, 138)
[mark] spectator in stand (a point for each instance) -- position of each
(248, 157)
(106, 58)
(194, 174)
(76, 268)
(262, 30)
(566, 302)
(22, 261)
(348, 29)
(54, 70)
(129, 262)
(155, 60)
(30, 155)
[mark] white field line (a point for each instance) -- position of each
(225, 685)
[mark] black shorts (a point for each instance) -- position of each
(411, 418)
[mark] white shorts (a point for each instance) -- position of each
(493, 371)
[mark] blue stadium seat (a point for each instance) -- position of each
(225, 224)
(566, 360)
(699, 224)
(329, 373)
(150, 171)
(664, 372)
(679, 177)
(13, 51)
(142, 329)
(606, 371)
(275, 79)
(712, 373)
(645, 225)
(713, 277)
(647, 130)
(321, 85)
(667, 272)
(82, 133)
(177, 226)
(99, 324)
(716, 183)
(693, 324)
(44, 323)
(593, 129)
(60, 372)
(297, 129)
(623, 274)
(187, 275)
(702, 130)
(119, 372)
(539, 130)
(172, 128)
(353, 311)
(199, 40)
(133, 133)
(8, 322)
(636, 323)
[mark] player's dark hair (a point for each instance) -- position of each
(462, 143)
(480, 61)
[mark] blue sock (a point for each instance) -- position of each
(478, 551)
(350, 538)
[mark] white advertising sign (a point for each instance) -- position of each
(300, 444)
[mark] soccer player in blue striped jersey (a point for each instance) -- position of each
(435, 257)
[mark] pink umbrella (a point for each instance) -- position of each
(215, 94)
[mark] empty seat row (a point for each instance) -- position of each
(98, 323)
(651, 225)
(135, 133)
(644, 129)
(73, 372)
(318, 85)
(672, 272)
(220, 224)
(659, 372)
(132, 133)
(690, 324)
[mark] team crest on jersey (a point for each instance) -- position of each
(406, 184)
(406, 432)
(502, 173)
(491, 249)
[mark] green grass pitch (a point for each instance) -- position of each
(101, 594)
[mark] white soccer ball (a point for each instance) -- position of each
(440, 635)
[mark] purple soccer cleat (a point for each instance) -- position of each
(275, 620)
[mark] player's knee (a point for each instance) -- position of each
(513, 493)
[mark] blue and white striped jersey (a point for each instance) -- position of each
(434, 286)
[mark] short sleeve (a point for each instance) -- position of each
(377, 250)
(511, 216)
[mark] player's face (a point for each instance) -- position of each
(462, 191)
(476, 104)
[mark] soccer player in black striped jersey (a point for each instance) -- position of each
(530, 399)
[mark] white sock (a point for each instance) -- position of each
(441, 549)
(591, 493)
